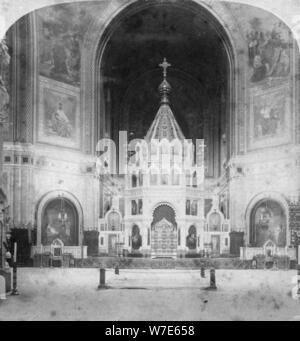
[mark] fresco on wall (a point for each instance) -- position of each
(270, 118)
(53, 228)
(61, 31)
(268, 223)
(269, 42)
(59, 116)
(269, 51)
(4, 86)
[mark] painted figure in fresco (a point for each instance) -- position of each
(60, 123)
(136, 238)
(260, 69)
(73, 56)
(59, 58)
(268, 54)
(268, 121)
(52, 232)
(253, 38)
(283, 65)
(4, 95)
(269, 225)
(191, 239)
(45, 49)
(62, 29)
(56, 229)
(274, 233)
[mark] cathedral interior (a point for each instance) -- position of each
(74, 74)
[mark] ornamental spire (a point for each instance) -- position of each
(164, 87)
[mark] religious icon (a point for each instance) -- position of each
(188, 207)
(191, 239)
(270, 222)
(136, 238)
(59, 123)
(133, 207)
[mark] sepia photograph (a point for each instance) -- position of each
(150, 162)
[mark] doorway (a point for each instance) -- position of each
(112, 244)
(215, 245)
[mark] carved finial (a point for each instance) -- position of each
(164, 87)
(164, 65)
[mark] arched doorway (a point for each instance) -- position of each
(114, 231)
(60, 221)
(164, 232)
(268, 221)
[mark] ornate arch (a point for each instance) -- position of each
(100, 31)
(164, 203)
(46, 199)
(266, 195)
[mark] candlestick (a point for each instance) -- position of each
(15, 252)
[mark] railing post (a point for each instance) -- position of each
(117, 270)
(213, 279)
(15, 291)
(102, 279)
(298, 270)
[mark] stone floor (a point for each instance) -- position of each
(71, 294)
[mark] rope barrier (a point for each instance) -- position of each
(146, 271)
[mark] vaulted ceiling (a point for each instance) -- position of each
(198, 74)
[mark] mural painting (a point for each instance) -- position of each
(53, 227)
(59, 116)
(269, 51)
(270, 118)
(269, 41)
(268, 223)
(4, 86)
(61, 30)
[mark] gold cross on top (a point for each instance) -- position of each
(165, 66)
